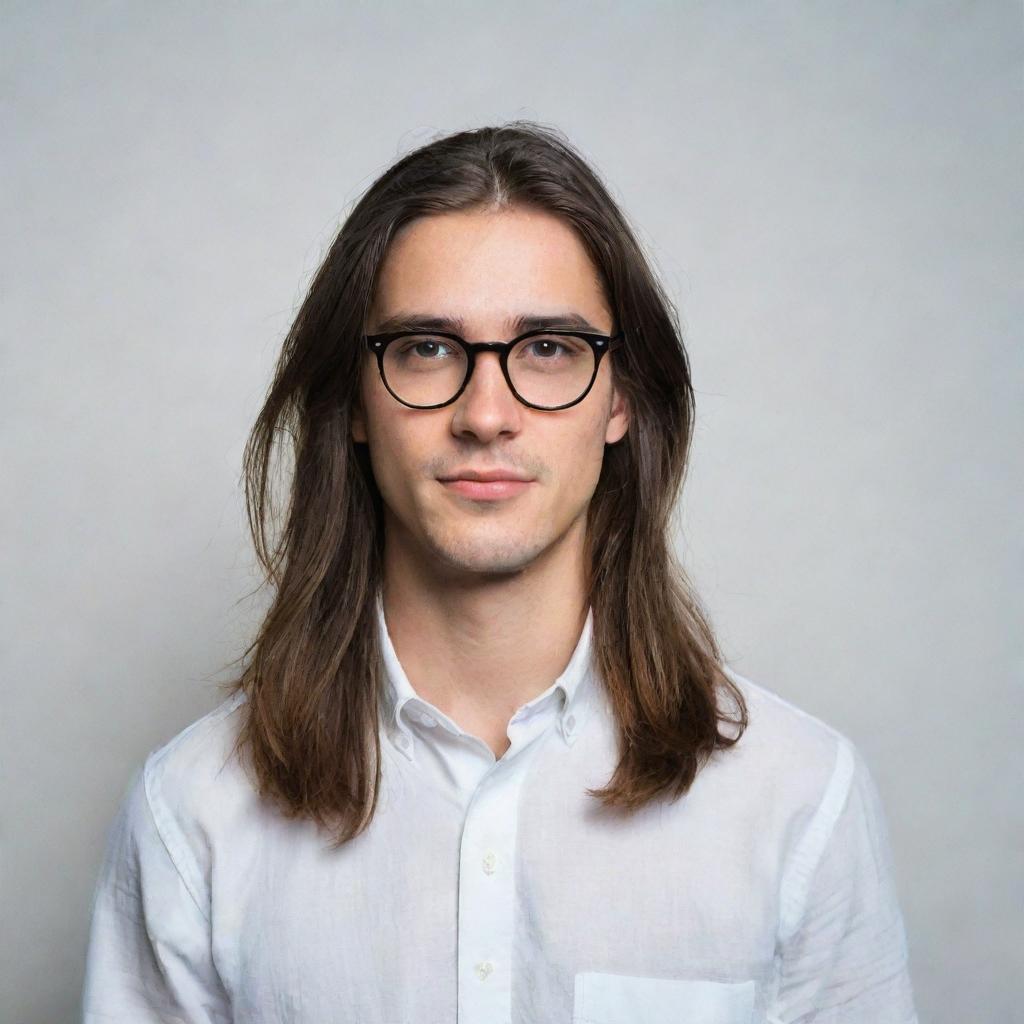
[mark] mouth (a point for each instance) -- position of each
(486, 490)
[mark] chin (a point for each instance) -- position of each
(498, 552)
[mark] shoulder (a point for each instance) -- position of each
(164, 824)
(773, 720)
(824, 798)
(792, 757)
(193, 783)
(197, 764)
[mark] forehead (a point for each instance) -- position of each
(487, 266)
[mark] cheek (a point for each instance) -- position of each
(579, 457)
(398, 453)
(388, 455)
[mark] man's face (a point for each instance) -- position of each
(486, 268)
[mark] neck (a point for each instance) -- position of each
(479, 646)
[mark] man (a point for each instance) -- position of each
(485, 763)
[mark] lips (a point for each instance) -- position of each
(485, 475)
(486, 490)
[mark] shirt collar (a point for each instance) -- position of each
(571, 688)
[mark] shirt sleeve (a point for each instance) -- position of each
(842, 955)
(149, 958)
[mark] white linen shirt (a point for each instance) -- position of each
(494, 891)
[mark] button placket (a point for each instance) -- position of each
(487, 896)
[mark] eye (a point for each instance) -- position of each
(547, 347)
(422, 348)
(552, 348)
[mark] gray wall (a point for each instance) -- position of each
(831, 193)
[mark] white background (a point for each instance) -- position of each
(831, 194)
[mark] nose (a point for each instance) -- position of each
(487, 407)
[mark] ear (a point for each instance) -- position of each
(618, 422)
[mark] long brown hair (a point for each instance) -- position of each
(313, 674)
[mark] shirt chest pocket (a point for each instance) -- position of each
(625, 999)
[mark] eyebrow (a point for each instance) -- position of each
(457, 325)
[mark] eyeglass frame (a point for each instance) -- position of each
(599, 345)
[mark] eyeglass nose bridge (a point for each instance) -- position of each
(501, 349)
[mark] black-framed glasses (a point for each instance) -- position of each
(547, 369)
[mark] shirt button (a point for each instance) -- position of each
(570, 723)
(403, 740)
(489, 861)
(428, 720)
(483, 969)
